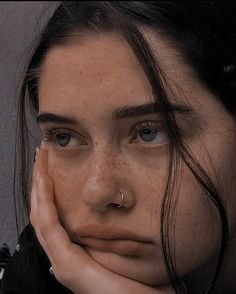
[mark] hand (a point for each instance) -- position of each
(72, 266)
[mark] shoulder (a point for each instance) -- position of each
(27, 271)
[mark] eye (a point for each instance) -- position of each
(63, 139)
(149, 133)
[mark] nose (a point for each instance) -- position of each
(104, 181)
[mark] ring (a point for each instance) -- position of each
(122, 198)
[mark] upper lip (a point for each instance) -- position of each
(108, 233)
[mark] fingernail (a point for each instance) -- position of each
(43, 146)
(35, 153)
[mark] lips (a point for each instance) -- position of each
(113, 239)
(119, 246)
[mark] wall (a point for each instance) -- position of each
(19, 21)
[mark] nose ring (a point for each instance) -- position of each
(122, 199)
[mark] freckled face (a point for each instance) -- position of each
(94, 153)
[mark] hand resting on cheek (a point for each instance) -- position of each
(71, 264)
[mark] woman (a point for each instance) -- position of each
(134, 182)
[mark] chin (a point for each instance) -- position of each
(144, 270)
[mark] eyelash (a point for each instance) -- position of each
(50, 136)
(153, 125)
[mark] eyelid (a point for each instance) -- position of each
(55, 130)
(157, 125)
(50, 133)
(147, 124)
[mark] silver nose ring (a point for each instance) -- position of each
(122, 199)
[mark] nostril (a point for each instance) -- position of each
(112, 205)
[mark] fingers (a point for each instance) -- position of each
(50, 233)
(72, 266)
(54, 234)
(34, 210)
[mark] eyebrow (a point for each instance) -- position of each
(120, 113)
(46, 117)
(149, 108)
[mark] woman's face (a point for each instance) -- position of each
(103, 138)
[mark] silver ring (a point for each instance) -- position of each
(122, 198)
(51, 271)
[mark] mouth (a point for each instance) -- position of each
(112, 239)
(119, 246)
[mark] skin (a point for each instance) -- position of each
(86, 81)
(72, 266)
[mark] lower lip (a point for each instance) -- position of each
(120, 246)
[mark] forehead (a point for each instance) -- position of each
(98, 68)
(102, 70)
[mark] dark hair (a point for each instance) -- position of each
(204, 32)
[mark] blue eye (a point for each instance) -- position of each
(147, 135)
(63, 139)
(150, 133)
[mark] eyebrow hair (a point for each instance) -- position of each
(149, 108)
(46, 117)
(120, 113)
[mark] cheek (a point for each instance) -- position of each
(146, 179)
(197, 225)
(66, 185)
(216, 153)
(141, 178)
